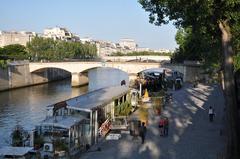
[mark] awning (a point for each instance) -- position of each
(62, 121)
(14, 151)
(95, 99)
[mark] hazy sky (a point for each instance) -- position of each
(99, 19)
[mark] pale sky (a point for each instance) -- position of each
(102, 20)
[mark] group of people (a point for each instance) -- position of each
(164, 123)
(163, 126)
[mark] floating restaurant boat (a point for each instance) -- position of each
(79, 122)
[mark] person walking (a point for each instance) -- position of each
(211, 114)
(143, 131)
(161, 126)
(166, 126)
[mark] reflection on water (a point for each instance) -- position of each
(27, 106)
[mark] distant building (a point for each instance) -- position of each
(128, 44)
(87, 40)
(14, 37)
(163, 51)
(58, 33)
(105, 48)
(141, 49)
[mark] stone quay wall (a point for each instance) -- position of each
(17, 75)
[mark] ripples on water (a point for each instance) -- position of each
(27, 106)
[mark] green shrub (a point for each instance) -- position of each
(38, 141)
(161, 93)
(143, 114)
(124, 109)
(60, 145)
(3, 64)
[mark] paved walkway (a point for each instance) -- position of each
(191, 136)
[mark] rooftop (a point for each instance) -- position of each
(14, 151)
(97, 98)
(62, 121)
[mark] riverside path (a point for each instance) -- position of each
(191, 136)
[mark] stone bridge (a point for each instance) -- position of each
(79, 69)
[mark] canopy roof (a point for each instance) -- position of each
(92, 100)
(14, 151)
(62, 121)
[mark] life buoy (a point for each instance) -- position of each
(47, 147)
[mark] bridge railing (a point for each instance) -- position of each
(101, 60)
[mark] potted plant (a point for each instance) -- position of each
(143, 115)
(18, 136)
(60, 145)
(38, 142)
(157, 104)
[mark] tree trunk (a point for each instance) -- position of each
(229, 91)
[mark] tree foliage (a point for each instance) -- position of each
(124, 109)
(14, 51)
(237, 62)
(198, 46)
(55, 50)
(48, 49)
(3, 64)
(203, 17)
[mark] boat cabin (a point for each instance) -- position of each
(80, 121)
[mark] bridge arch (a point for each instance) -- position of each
(72, 67)
(78, 69)
(48, 74)
(45, 68)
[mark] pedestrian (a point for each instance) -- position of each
(161, 126)
(143, 131)
(211, 114)
(166, 126)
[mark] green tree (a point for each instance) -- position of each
(3, 64)
(42, 48)
(221, 19)
(14, 51)
(196, 46)
(237, 62)
(56, 50)
(1, 51)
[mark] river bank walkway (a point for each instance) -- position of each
(191, 135)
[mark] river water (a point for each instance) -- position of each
(27, 106)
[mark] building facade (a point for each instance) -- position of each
(105, 48)
(141, 49)
(58, 33)
(128, 44)
(14, 37)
